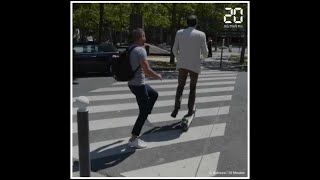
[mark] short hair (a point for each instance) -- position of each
(192, 20)
(137, 33)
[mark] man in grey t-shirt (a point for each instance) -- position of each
(137, 55)
(145, 95)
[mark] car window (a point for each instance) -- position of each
(107, 48)
(93, 48)
(86, 48)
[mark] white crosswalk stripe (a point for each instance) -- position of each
(163, 93)
(216, 89)
(128, 106)
(163, 86)
(160, 117)
(201, 78)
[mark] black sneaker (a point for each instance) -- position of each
(174, 113)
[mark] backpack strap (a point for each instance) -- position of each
(129, 50)
(137, 69)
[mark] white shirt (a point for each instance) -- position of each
(188, 46)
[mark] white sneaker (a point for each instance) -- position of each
(148, 123)
(137, 143)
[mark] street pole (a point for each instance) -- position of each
(221, 52)
(100, 22)
(216, 43)
(83, 136)
(243, 47)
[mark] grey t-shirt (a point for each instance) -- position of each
(137, 54)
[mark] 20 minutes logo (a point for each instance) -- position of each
(238, 21)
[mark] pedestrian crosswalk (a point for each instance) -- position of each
(170, 152)
(163, 86)
(163, 93)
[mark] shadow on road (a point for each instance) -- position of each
(101, 160)
(163, 133)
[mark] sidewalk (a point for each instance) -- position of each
(161, 63)
(229, 59)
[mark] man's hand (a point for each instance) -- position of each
(160, 77)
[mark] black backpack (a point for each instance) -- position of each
(121, 68)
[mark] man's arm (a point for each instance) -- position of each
(148, 71)
(142, 55)
(204, 49)
(175, 47)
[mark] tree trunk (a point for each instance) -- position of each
(179, 22)
(173, 31)
(135, 21)
(110, 34)
(216, 42)
(114, 34)
(101, 22)
(82, 34)
(119, 37)
(154, 41)
(161, 34)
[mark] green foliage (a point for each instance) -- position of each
(156, 15)
(86, 17)
(117, 16)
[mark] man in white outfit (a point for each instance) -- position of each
(188, 46)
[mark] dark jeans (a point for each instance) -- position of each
(146, 97)
(183, 74)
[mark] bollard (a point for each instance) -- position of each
(83, 136)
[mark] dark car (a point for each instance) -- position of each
(93, 57)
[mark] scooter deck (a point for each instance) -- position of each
(187, 120)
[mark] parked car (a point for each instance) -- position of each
(93, 57)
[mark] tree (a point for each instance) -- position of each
(158, 17)
(85, 17)
(173, 10)
(116, 20)
(101, 21)
(173, 30)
